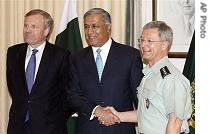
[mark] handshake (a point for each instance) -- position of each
(107, 115)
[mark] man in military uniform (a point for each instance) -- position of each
(164, 93)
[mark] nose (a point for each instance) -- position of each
(27, 28)
(89, 30)
(143, 44)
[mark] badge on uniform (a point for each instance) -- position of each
(164, 71)
(147, 103)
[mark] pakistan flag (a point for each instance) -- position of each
(69, 38)
(189, 72)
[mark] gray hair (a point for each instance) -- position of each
(165, 31)
(48, 21)
(106, 15)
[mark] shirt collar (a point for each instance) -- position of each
(105, 47)
(39, 48)
(156, 67)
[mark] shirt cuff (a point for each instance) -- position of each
(92, 114)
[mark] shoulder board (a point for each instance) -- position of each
(164, 71)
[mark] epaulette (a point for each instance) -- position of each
(164, 71)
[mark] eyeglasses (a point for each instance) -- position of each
(141, 41)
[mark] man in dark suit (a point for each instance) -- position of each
(94, 86)
(37, 109)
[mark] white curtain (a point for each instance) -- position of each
(142, 14)
(11, 24)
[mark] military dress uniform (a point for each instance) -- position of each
(163, 90)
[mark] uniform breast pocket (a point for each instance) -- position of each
(153, 100)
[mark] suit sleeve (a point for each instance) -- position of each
(9, 71)
(75, 98)
(64, 79)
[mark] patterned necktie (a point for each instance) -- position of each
(30, 70)
(99, 63)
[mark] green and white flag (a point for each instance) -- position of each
(68, 32)
(69, 38)
(189, 72)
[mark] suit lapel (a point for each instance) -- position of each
(109, 61)
(43, 66)
(89, 61)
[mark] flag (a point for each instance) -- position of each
(189, 72)
(68, 33)
(69, 38)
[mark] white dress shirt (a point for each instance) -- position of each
(38, 56)
(104, 53)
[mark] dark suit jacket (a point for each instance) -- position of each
(45, 102)
(121, 75)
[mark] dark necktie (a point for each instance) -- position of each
(30, 70)
(99, 63)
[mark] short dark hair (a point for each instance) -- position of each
(106, 15)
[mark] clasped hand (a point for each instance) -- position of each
(107, 115)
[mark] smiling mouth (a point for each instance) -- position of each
(146, 52)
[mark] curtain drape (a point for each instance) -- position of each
(11, 24)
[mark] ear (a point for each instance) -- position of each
(109, 28)
(46, 32)
(165, 45)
